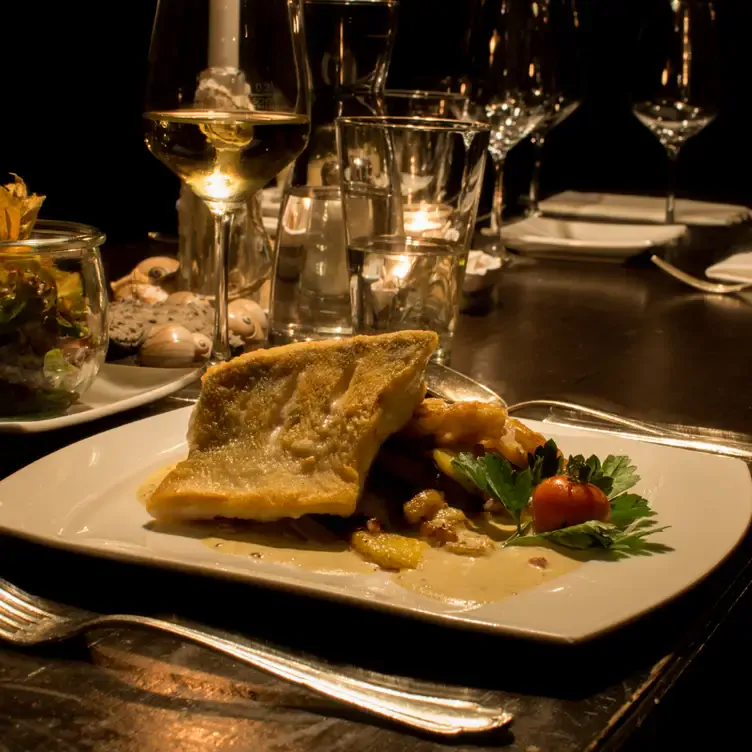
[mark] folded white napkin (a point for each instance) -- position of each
(736, 268)
(642, 208)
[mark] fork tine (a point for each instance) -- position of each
(23, 600)
(6, 621)
(7, 634)
(9, 608)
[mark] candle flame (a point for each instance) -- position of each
(402, 269)
(217, 186)
(418, 222)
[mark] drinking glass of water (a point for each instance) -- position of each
(410, 189)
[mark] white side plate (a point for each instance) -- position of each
(115, 389)
(561, 238)
(83, 498)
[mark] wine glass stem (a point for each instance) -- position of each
(224, 219)
(538, 141)
(673, 155)
(497, 206)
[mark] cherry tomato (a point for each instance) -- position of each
(560, 501)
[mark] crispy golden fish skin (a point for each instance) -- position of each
(293, 430)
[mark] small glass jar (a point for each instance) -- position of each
(53, 333)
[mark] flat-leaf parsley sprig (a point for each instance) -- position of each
(624, 533)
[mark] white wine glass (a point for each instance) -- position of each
(677, 77)
(227, 108)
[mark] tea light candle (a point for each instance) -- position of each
(425, 217)
(402, 268)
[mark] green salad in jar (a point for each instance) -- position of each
(50, 348)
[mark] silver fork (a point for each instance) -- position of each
(718, 288)
(28, 620)
(454, 386)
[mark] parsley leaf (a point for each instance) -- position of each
(626, 508)
(512, 488)
(545, 462)
(473, 469)
(622, 473)
(591, 534)
(495, 476)
(598, 535)
(626, 532)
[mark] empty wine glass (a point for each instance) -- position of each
(508, 48)
(560, 108)
(561, 71)
(676, 89)
(227, 108)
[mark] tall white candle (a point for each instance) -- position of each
(224, 33)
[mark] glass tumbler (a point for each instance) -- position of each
(410, 189)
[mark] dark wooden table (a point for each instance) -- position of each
(626, 338)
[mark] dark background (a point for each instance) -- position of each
(70, 119)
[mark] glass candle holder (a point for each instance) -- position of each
(410, 189)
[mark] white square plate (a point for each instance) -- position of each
(84, 498)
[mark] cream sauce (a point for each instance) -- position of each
(469, 581)
(452, 578)
(278, 543)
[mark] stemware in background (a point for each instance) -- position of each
(561, 81)
(227, 107)
(558, 111)
(419, 103)
(508, 46)
(677, 82)
(410, 189)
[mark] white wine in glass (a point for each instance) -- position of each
(677, 78)
(229, 110)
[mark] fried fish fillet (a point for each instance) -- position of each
(293, 430)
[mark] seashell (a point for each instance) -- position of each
(168, 346)
(150, 293)
(147, 293)
(155, 270)
(247, 320)
(185, 296)
(203, 345)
